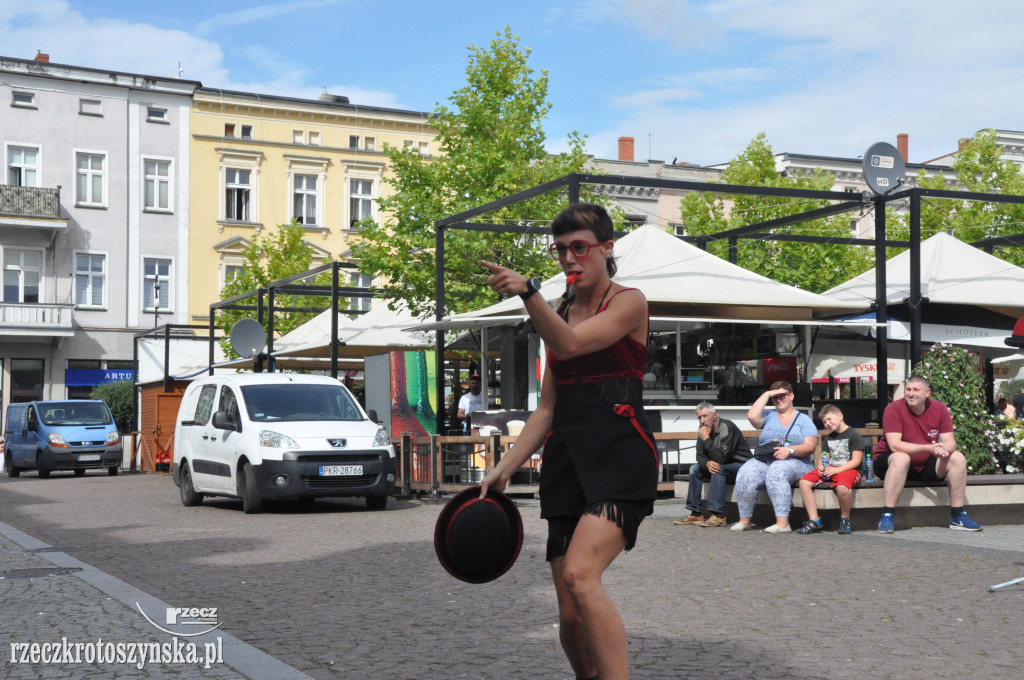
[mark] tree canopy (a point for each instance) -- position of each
(271, 257)
(491, 144)
(811, 266)
(979, 166)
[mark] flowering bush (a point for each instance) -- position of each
(1010, 443)
(956, 381)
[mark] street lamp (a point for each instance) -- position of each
(156, 303)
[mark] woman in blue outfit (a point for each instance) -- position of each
(795, 439)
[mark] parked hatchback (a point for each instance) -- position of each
(73, 434)
(278, 436)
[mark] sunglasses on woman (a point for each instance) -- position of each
(580, 249)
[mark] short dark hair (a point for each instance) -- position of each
(587, 216)
(919, 378)
(829, 409)
(782, 384)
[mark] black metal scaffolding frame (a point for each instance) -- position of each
(571, 185)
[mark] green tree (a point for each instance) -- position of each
(268, 258)
(956, 380)
(980, 167)
(120, 399)
(491, 144)
(811, 266)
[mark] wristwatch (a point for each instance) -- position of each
(532, 286)
(792, 451)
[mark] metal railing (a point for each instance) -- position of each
(41, 316)
(18, 201)
(448, 464)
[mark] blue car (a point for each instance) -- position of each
(48, 436)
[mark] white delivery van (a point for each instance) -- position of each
(278, 436)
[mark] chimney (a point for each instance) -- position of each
(903, 144)
(963, 142)
(42, 57)
(626, 148)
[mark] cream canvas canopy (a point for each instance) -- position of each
(681, 280)
(377, 331)
(952, 272)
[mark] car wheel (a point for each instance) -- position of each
(252, 502)
(12, 471)
(112, 471)
(189, 496)
(44, 472)
(376, 502)
(79, 472)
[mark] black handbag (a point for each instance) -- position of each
(766, 452)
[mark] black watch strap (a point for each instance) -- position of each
(532, 286)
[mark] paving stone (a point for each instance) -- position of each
(337, 591)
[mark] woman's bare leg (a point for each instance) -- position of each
(596, 542)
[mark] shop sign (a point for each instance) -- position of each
(90, 377)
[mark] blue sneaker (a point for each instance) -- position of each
(886, 524)
(964, 523)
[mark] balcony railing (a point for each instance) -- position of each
(36, 318)
(36, 202)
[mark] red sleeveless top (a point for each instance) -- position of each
(625, 358)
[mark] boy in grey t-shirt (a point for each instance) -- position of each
(845, 448)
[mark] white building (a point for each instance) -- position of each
(93, 221)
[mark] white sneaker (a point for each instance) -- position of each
(776, 529)
(739, 526)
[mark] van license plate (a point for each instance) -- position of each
(340, 470)
(88, 456)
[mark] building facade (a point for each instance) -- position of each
(259, 161)
(94, 205)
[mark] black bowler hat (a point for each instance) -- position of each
(478, 539)
(1017, 339)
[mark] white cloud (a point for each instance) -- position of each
(260, 13)
(69, 37)
(822, 78)
(651, 98)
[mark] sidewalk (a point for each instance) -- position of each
(697, 603)
(53, 598)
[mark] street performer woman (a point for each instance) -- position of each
(600, 472)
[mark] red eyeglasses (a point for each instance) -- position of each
(581, 249)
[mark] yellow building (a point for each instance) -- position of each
(258, 161)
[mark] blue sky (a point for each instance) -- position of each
(690, 80)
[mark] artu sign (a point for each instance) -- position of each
(90, 377)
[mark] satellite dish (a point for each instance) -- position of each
(884, 168)
(248, 338)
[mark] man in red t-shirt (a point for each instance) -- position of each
(919, 444)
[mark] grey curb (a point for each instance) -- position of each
(244, 658)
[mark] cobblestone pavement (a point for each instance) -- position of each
(336, 591)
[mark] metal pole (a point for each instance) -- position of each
(734, 252)
(334, 321)
(406, 464)
(438, 315)
(915, 300)
(167, 357)
(574, 189)
(213, 328)
(881, 309)
(135, 392)
(270, 330)
(260, 313)
(993, 589)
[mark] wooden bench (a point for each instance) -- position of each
(990, 499)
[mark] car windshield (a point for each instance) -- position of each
(270, 403)
(75, 413)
